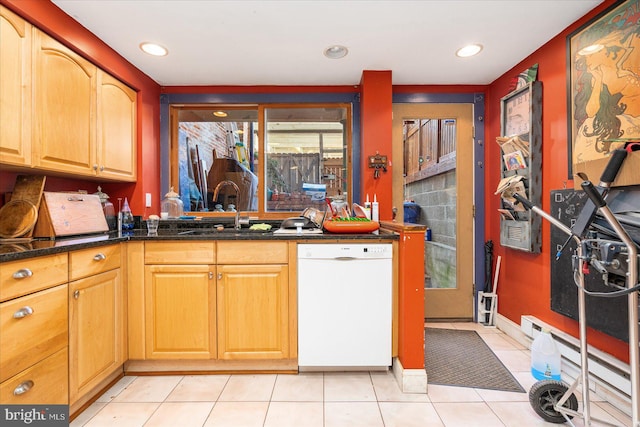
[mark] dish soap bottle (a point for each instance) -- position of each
(127, 218)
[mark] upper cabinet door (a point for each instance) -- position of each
(116, 144)
(15, 89)
(64, 87)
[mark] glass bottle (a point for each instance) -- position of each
(108, 209)
(127, 218)
(172, 204)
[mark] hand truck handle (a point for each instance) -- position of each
(593, 194)
(613, 167)
(525, 202)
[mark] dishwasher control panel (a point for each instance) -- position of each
(349, 251)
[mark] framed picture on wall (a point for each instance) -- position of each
(603, 86)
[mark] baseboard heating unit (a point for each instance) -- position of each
(608, 377)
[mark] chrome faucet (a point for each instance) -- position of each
(237, 190)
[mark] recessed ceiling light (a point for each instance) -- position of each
(469, 50)
(336, 52)
(220, 114)
(153, 49)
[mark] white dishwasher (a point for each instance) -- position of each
(344, 306)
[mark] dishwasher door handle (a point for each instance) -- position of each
(345, 258)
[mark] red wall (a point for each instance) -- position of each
(57, 24)
(524, 282)
(376, 107)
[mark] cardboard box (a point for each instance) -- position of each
(629, 173)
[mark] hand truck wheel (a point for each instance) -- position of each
(545, 394)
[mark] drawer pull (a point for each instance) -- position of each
(23, 388)
(76, 294)
(23, 273)
(23, 312)
(75, 199)
(99, 257)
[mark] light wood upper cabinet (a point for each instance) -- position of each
(116, 139)
(61, 113)
(253, 312)
(64, 113)
(180, 320)
(15, 89)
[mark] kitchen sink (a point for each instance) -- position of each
(225, 231)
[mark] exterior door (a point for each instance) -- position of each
(451, 296)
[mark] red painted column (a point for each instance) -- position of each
(376, 111)
(410, 293)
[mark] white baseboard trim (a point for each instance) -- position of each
(512, 329)
(409, 380)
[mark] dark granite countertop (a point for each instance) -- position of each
(170, 230)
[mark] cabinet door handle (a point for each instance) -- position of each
(23, 312)
(23, 388)
(95, 167)
(76, 294)
(210, 275)
(99, 257)
(219, 276)
(102, 168)
(23, 273)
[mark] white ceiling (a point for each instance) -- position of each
(273, 42)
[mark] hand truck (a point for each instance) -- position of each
(551, 399)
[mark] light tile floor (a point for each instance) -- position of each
(362, 399)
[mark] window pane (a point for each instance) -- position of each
(217, 145)
(305, 157)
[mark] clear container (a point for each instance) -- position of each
(231, 207)
(218, 208)
(108, 209)
(339, 206)
(545, 357)
(172, 204)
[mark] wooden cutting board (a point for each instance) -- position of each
(29, 188)
(17, 218)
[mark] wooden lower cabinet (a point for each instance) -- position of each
(96, 331)
(253, 311)
(180, 318)
(43, 383)
(32, 328)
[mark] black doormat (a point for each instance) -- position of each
(461, 358)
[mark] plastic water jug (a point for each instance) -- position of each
(545, 358)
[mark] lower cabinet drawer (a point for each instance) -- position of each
(88, 262)
(30, 275)
(43, 383)
(32, 328)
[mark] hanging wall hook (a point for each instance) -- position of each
(378, 163)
